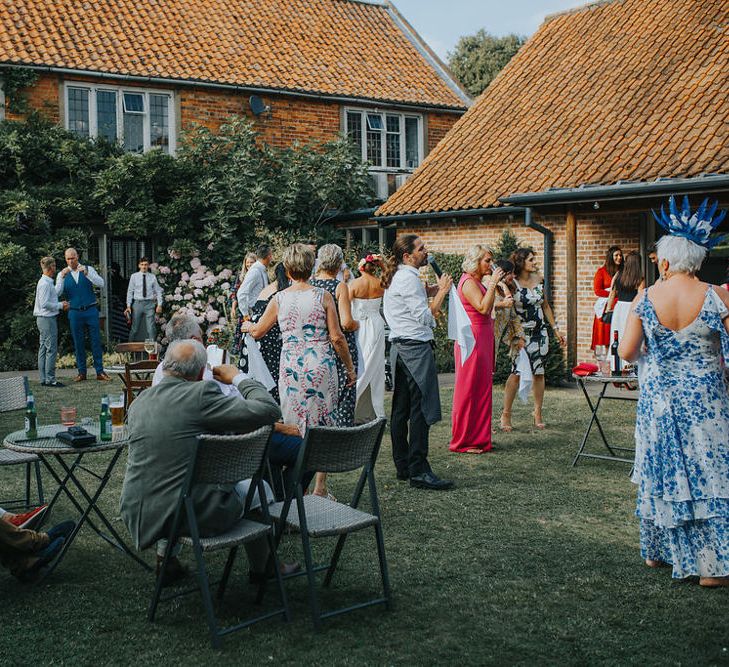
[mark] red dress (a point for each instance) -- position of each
(600, 330)
(471, 418)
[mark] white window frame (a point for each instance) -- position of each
(383, 113)
(93, 88)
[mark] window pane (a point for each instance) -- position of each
(412, 150)
(133, 103)
(354, 128)
(374, 121)
(374, 148)
(133, 133)
(78, 111)
(393, 124)
(159, 122)
(106, 114)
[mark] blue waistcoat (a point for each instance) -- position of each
(81, 294)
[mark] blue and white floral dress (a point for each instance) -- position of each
(682, 442)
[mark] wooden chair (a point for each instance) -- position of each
(13, 396)
(137, 377)
(132, 351)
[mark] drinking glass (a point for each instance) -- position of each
(116, 407)
(601, 354)
(68, 416)
(150, 347)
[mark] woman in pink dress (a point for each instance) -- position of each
(471, 419)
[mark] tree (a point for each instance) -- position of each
(477, 59)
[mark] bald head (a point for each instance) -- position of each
(71, 257)
(185, 359)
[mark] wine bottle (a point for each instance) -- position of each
(31, 418)
(105, 421)
(616, 361)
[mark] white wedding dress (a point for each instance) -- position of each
(371, 343)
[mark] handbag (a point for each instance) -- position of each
(607, 316)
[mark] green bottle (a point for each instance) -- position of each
(31, 418)
(105, 421)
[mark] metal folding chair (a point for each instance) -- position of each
(335, 450)
(13, 396)
(224, 459)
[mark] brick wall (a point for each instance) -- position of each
(595, 233)
(438, 126)
(43, 97)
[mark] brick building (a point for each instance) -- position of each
(601, 115)
(302, 70)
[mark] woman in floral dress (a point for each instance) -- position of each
(678, 331)
(311, 334)
(534, 311)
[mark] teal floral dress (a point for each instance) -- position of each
(307, 381)
(682, 442)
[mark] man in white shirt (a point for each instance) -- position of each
(144, 299)
(77, 282)
(415, 399)
(46, 309)
(255, 280)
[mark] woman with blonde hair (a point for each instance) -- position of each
(307, 315)
(472, 395)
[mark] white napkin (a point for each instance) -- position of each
(459, 325)
(600, 305)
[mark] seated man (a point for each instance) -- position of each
(286, 440)
(164, 422)
(24, 552)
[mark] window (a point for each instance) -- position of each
(388, 141)
(375, 239)
(138, 119)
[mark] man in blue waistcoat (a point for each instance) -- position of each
(77, 282)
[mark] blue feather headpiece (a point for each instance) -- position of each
(697, 227)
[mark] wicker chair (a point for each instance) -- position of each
(335, 450)
(13, 396)
(224, 459)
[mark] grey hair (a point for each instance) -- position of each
(330, 257)
(182, 327)
(473, 256)
(185, 359)
(682, 255)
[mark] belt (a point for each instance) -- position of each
(82, 308)
(412, 341)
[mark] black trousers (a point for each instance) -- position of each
(410, 453)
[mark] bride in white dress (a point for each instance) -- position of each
(366, 296)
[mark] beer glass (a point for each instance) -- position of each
(116, 407)
(68, 416)
(150, 347)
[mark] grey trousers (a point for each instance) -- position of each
(143, 320)
(48, 348)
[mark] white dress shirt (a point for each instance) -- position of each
(46, 299)
(95, 279)
(406, 306)
(253, 283)
(226, 389)
(136, 288)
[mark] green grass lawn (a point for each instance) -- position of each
(527, 560)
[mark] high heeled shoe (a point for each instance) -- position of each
(505, 422)
(537, 424)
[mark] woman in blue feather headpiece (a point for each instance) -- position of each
(678, 329)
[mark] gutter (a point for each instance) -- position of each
(591, 193)
(198, 83)
(526, 211)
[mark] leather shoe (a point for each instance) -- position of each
(403, 476)
(103, 377)
(55, 384)
(80, 378)
(428, 480)
(174, 572)
(286, 570)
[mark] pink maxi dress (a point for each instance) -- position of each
(471, 418)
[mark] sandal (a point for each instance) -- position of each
(539, 425)
(506, 427)
(656, 563)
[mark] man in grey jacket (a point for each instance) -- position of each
(164, 423)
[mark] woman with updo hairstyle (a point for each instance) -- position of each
(310, 331)
(601, 285)
(366, 293)
(472, 394)
(534, 311)
(507, 324)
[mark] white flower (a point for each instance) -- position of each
(211, 246)
(195, 263)
(185, 276)
(164, 270)
(221, 299)
(222, 321)
(225, 286)
(197, 292)
(199, 283)
(178, 296)
(188, 297)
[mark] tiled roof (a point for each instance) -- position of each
(628, 89)
(345, 48)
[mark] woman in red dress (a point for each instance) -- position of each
(601, 285)
(471, 418)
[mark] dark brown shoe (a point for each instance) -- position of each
(80, 378)
(174, 572)
(103, 377)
